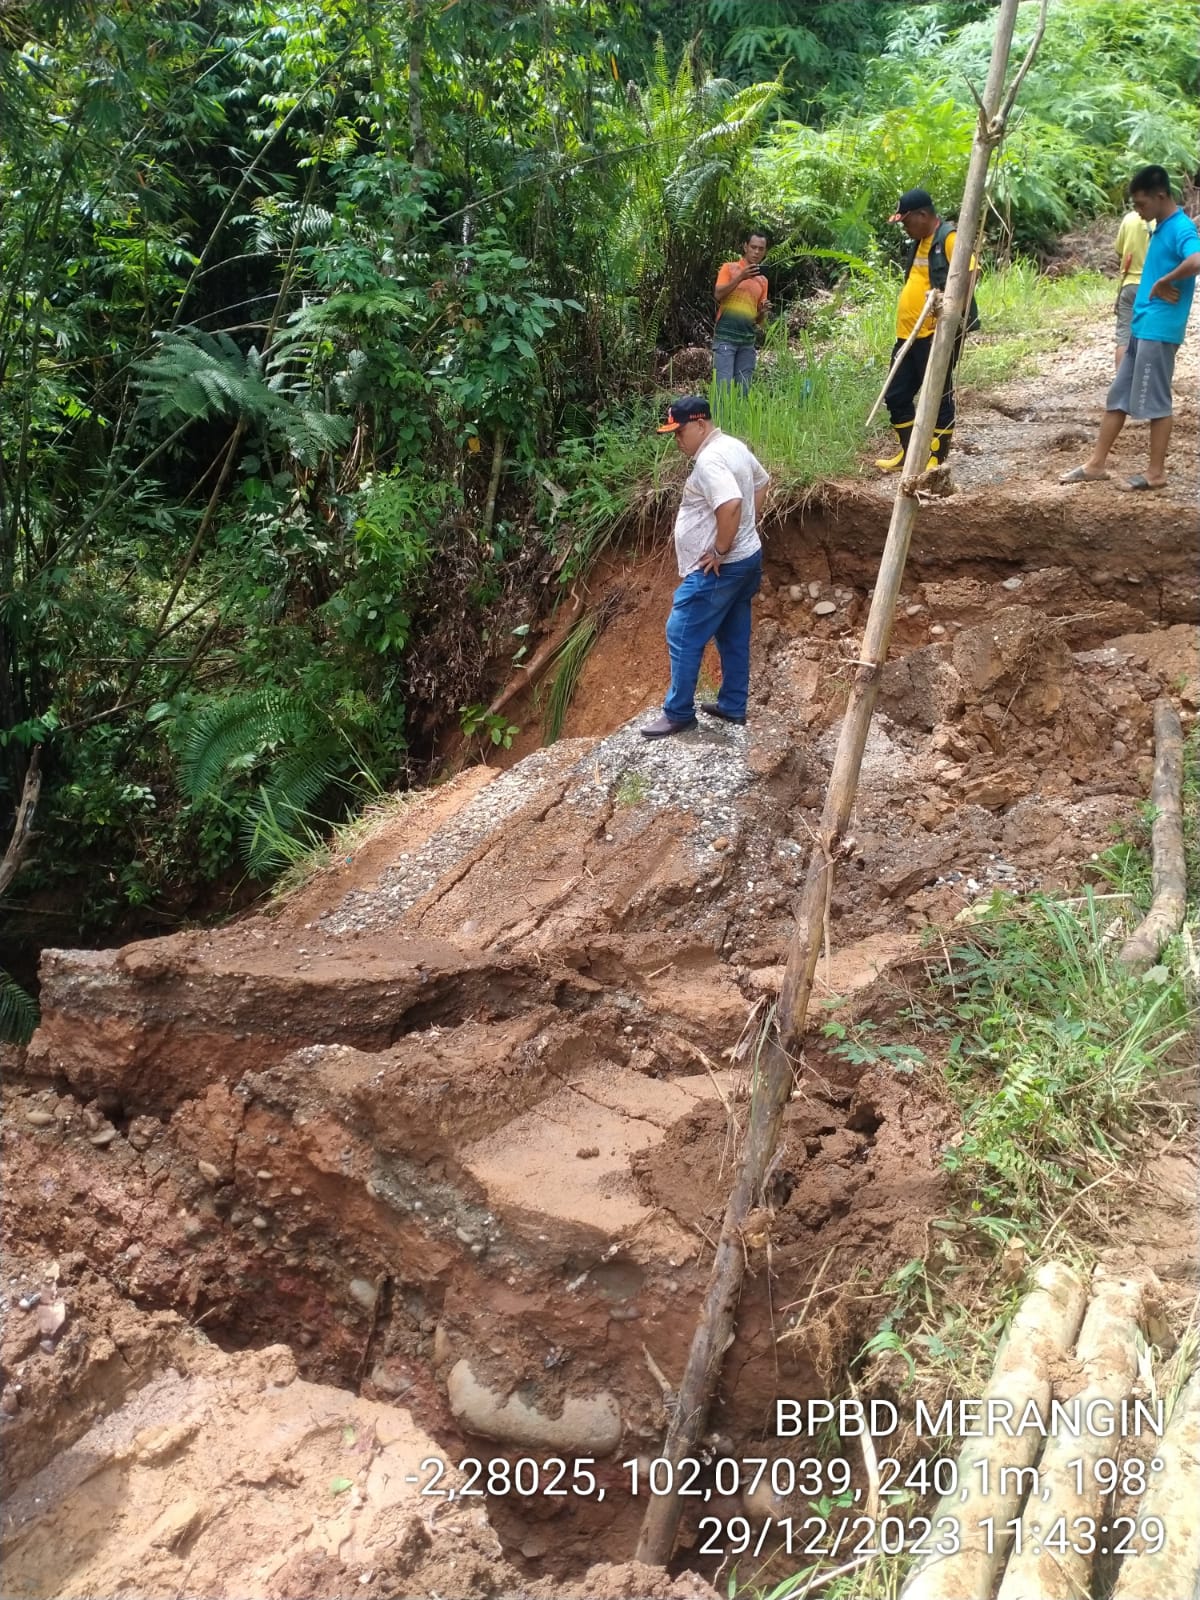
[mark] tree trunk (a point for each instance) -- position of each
(420, 154)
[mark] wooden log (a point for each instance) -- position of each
(1107, 1350)
(714, 1328)
(989, 1480)
(1173, 1570)
(1169, 876)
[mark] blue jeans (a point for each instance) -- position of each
(712, 606)
(734, 363)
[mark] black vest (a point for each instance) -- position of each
(939, 268)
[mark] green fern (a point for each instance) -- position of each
(18, 1012)
(201, 376)
(300, 749)
(237, 731)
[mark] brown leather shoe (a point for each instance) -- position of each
(711, 709)
(662, 727)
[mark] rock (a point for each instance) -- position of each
(804, 678)
(587, 1152)
(1012, 584)
(208, 1172)
(644, 1059)
(913, 611)
(996, 789)
(950, 742)
(937, 631)
(588, 1425)
(795, 592)
(51, 1315)
(142, 1132)
(37, 1118)
(104, 1137)
(904, 880)
(824, 608)
(363, 1293)
(1015, 655)
(721, 843)
(921, 689)
(814, 591)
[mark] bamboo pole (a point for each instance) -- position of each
(1154, 1571)
(900, 355)
(1068, 1484)
(714, 1328)
(1169, 904)
(990, 1478)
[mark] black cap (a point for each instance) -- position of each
(912, 200)
(687, 409)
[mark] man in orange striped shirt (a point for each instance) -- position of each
(742, 305)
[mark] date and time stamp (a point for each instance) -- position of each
(836, 1520)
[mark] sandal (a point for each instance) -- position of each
(1140, 482)
(1079, 475)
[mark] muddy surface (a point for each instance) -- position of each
(427, 1161)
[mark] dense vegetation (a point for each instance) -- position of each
(325, 329)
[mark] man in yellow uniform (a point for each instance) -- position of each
(926, 267)
(1133, 240)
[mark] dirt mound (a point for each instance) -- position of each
(228, 1475)
(456, 1121)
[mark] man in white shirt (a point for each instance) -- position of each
(720, 562)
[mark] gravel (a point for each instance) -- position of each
(698, 774)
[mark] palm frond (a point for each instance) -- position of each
(569, 658)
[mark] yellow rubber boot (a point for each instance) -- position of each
(894, 463)
(942, 438)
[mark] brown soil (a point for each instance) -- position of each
(427, 1161)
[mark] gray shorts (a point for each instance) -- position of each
(1125, 314)
(1142, 386)
(734, 363)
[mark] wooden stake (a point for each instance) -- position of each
(1169, 904)
(774, 1078)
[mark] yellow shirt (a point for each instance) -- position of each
(1133, 240)
(916, 287)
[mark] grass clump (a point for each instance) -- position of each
(1023, 314)
(632, 789)
(1055, 1055)
(804, 415)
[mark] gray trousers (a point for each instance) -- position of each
(734, 363)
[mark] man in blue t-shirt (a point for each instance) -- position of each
(1142, 387)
